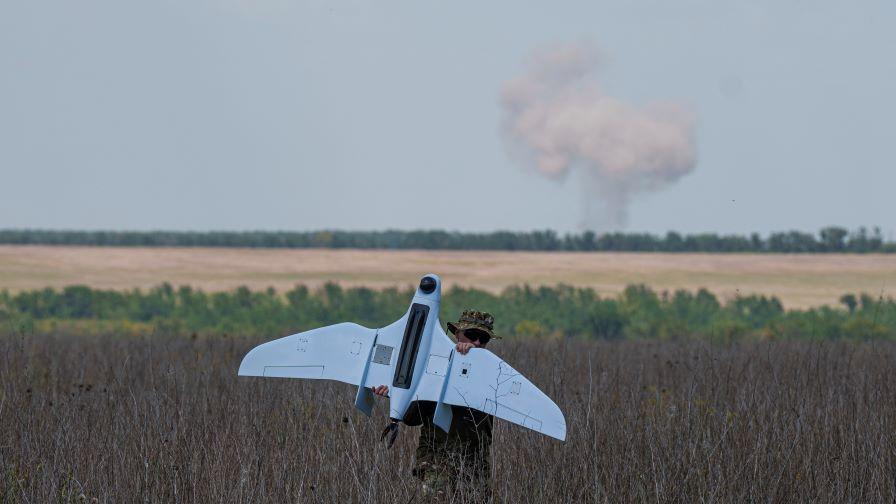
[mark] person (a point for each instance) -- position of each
(447, 461)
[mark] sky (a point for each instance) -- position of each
(360, 115)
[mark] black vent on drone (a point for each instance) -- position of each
(410, 344)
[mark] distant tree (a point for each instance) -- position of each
(756, 243)
(574, 312)
(850, 302)
(605, 321)
(673, 242)
(832, 238)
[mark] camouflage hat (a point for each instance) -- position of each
(474, 319)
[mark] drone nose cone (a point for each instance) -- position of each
(427, 284)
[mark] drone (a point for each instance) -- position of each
(420, 361)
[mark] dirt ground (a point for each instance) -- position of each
(800, 280)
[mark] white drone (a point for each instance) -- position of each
(426, 368)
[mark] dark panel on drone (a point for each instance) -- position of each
(410, 344)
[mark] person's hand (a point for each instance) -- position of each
(382, 391)
(463, 348)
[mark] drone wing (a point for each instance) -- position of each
(482, 381)
(337, 352)
(346, 352)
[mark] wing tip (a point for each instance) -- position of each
(246, 367)
(560, 432)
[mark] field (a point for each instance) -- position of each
(111, 417)
(165, 418)
(800, 281)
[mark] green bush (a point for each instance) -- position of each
(637, 313)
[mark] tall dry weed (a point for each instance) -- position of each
(165, 419)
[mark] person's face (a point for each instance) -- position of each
(473, 337)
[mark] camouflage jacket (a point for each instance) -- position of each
(462, 452)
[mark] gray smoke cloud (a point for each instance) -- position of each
(557, 119)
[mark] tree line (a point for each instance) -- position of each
(521, 311)
(829, 239)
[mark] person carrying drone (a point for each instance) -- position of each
(444, 461)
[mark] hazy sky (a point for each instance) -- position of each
(276, 114)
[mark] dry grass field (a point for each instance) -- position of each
(799, 280)
(166, 419)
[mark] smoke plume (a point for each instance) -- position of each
(557, 119)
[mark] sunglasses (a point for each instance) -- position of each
(475, 335)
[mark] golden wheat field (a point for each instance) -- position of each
(799, 280)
